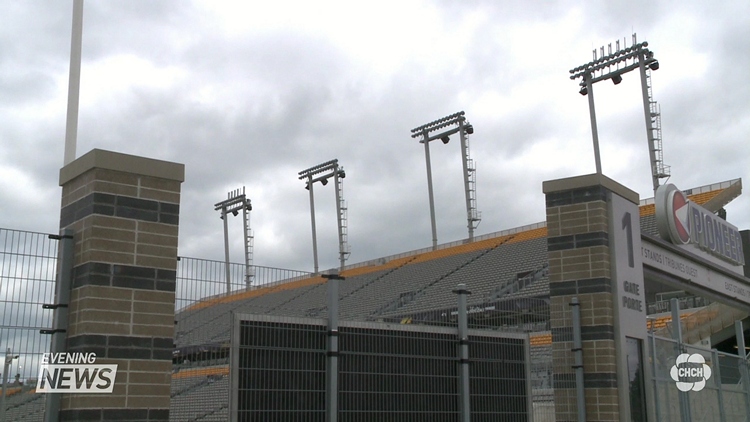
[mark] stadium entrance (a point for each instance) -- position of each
(607, 274)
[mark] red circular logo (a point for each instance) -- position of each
(680, 217)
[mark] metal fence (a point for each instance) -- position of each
(201, 279)
(200, 378)
(716, 391)
(28, 264)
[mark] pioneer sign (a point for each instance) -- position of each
(683, 222)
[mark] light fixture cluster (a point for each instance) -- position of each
(331, 167)
(634, 53)
(236, 202)
(457, 119)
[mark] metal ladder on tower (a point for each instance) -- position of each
(661, 171)
(474, 216)
(344, 248)
(249, 269)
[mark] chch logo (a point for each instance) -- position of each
(690, 372)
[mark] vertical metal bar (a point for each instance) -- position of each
(6, 369)
(677, 336)
(652, 340)
(234, 366)
(649, 124)
(339, 220)
(465, 164)
(717, 378)
(578, 363)
(247, 238)
(594, 130)
(226, 248)
(463, 354)
(429, 188)
(332, 368)
(60, 319)
(74, 83)
(312, 219)
(739, 332)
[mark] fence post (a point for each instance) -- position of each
(717, 377)
(578, 365)
(653, 367)
(739, 332)
(677, 336)
(463, 354)
(59, 330)
(332, 367)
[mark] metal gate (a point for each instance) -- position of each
(693, 383)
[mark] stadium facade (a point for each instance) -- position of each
(563, 315)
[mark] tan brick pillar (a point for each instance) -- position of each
(583, 263)
(124, 211)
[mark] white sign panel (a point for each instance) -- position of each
(661, 259)
(625, 233)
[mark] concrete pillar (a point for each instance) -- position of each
(124, 211)
(583, 263)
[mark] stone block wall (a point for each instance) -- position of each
(124, 211)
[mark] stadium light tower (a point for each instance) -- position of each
(612, 66)
(321, 173)
(235, 202)
(455, 123)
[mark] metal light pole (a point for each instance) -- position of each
(321, 173)
(612, 66)
(74, 83)
(457, 124)
(312, 220)
(237, 200)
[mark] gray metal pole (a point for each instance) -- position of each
(739, 332)
(342, 252)
(74, 82)
(465, 164)
(429, 188)
(717, 377)
(226, 248)
(653, 368)
(649, 123)
(594, 130)
(463, 354)
(312, 219)
(578, 351)
(60, 318)
(332, 369)
(677, 336)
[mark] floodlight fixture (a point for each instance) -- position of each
(445, 127)
(321, 173)
(237, 201)
(612, 66)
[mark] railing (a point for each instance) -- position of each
(493, 235)
(199, 279)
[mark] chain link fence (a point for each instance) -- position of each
(28, 263)
(698, 384)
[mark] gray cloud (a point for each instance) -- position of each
(253, 108)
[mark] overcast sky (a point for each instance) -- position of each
(250, 93)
